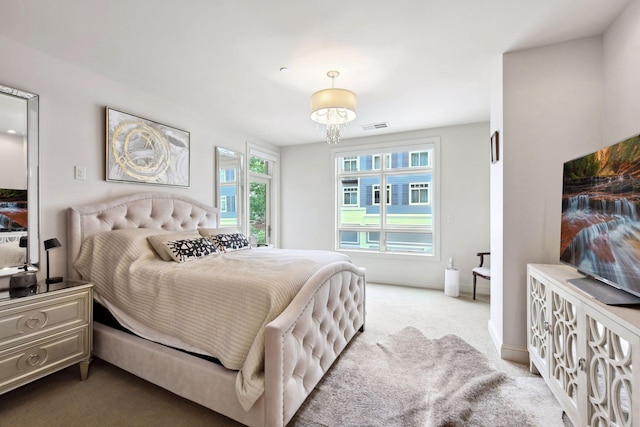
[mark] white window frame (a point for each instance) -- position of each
(273, 174)
(430, 144)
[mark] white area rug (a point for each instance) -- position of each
(410, 380)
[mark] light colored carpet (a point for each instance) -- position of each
(111, 396)
(409, 380)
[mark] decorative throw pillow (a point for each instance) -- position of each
(210, 232)
(188, 249)
(159, 241)
(230, 242)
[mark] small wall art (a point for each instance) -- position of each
(495, 147)
(143, 151)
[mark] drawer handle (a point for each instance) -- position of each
(582, 363)
(32, 322)
(33, 360)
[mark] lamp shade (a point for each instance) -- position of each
(341, 99)
(51, 244)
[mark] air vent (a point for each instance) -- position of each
(374, 126)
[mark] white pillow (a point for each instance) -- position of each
(158, 241)
(210, 232)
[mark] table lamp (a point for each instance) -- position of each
(48, 245)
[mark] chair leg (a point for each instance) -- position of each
(474, 285)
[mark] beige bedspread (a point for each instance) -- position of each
(11, 254)
(219, 303)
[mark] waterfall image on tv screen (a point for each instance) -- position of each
(600, 232)
(13, 210)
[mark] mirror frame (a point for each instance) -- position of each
(33, 188)
(237, 158)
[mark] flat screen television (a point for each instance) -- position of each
(600, 231)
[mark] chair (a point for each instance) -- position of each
(484, 272)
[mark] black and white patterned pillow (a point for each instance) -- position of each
(230, 242)
(188, 249)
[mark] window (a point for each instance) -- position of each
(349, 164)
(262, 203)
(419, 158)
(376, 161)
(228, 175)
(419, 193)
(350, 196)
(376, 194)
(405, 223)
(223, 203)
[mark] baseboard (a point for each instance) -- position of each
(508, 352)
(515, 354)
(497, 341)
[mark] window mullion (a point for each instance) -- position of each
(383, 209)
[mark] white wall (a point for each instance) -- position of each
(13, 161)
(72, 102)
(552, 100)
(622, 76)
(308, 208)
(72, 132)
(559, 102)
(495, 325)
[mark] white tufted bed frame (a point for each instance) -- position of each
(301, 344)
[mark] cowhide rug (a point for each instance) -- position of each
(410, 380)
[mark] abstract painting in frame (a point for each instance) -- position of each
(143, 151)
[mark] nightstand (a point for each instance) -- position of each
(44, 330)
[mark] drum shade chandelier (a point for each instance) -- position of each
(333, 107)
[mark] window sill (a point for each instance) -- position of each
(391, 255)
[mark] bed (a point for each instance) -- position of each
(297, 346)
(11, 254)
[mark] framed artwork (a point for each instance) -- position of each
(143, 151)
(495, 147)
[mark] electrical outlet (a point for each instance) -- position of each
(80, 172)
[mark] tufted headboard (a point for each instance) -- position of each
(161, 211)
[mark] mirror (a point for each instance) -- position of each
(230, 189)
(19, 194)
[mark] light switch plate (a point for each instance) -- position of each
(80, 172)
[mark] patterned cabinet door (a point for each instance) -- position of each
(565, 352)
(538, 325)
(611, 353)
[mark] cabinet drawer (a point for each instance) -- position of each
(32, 360)
(45, 315)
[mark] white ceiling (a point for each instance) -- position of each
(414, 64)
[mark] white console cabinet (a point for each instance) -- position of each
(585, 350)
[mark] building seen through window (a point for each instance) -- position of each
(404, 222)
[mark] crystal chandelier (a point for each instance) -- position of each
(333, 107)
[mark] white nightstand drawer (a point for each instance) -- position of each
(26, 320)
(20, 364)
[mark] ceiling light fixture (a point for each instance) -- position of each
(333, 107)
